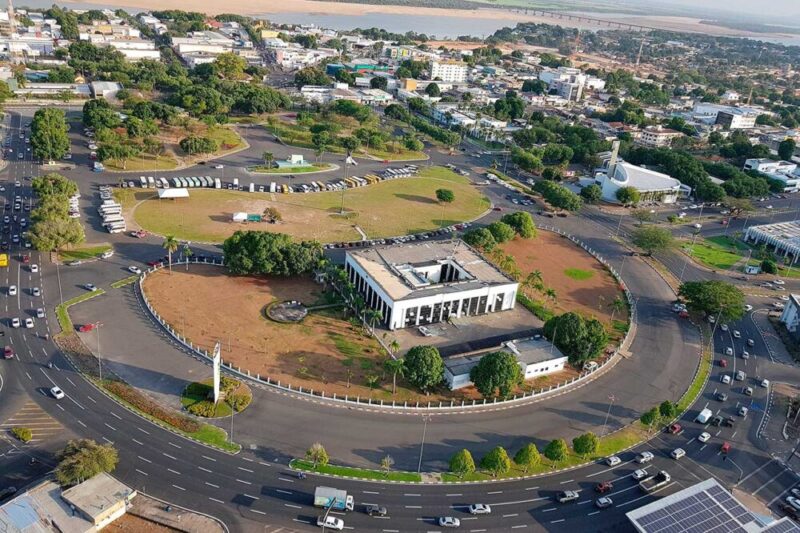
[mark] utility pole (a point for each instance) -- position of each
(97, 326)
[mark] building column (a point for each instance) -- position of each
(419, 311)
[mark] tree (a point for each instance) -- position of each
(715, 298)
(433, 90)
(396, 367)
(412, 144)
(268, 253)
(137, 127)
(387, 462)
(310, 76)
(496, 461)
(528, 457)
(667, 410)
(522, 223)
(585, 444)
(424, 367)
(321, 141)
(268, 157)
(578, 338)
(497, 373)
(445, 196)
(49, 138)
(199, 145)
(592, 193)
(350, 143)
(230, 66)
(170, 244)
(317, 454)
(534, 86)
(628, 195)
(556, 450)
(652, 239)
(83, 459)
(98, 114)
(480, 238)
(379, 82)
(786, 149)
(650, 417)
(643, 215)
(462, 463)
(769, 266)
(501, 231)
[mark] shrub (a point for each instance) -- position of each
(239, 402)
(149, 407)
(203, 408)
(22, 434)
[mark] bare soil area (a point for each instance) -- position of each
(554, 256)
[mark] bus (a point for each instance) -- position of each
(3, 260)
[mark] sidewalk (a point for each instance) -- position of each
(177, 518)
(777, 350)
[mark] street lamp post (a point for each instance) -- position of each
(97, 326)
(611, 400)
(422, 444)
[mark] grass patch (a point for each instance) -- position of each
(314, 167)
(712, 255)
(22, 434)
(62, 314)
(578, 274)
(83, 253)
(124, 281)
(346, 346)
(360, 473)
(227, 138)
(142, 163)
(700, 378)
(206, 215)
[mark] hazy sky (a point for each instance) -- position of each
(774, 9)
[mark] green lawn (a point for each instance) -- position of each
(315, 167)
(124, 281)
(718, 255)
(198, 393)
(578, 274)
(143, 163)
(389, 208)
(227, 138)
(360, 473)
(83, 253)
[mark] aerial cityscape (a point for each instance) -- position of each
(400, 266)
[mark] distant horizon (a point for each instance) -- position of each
(779, 11)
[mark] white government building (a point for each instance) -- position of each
(652, 185)
(423, 283)
(783, 237)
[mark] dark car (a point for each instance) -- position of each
(716, 421)
(603, 487)
(373, 509)
(721, 396)
(728, 422)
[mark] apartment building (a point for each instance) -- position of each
(449, 71)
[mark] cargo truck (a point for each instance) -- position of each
(336, 499)
(657, 481)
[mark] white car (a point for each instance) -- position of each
(480, 508)
(726, 379)
(778, 305)
(639, 475)
(56, 393)
(644, 457)
(745, 354)
(704, 437)
(90, 287)
(449, 521)
(723, 327)
(613, 460)
(12, 290)
(779, 282)
(34, 268)
(603, 502)
(218, 167)
(106, 254)
(677, 453)
(748, 308)
(330, 522)
(40, 313)
(36, 292)
(136, 270)
(751, 342)
(736, 334)
(697, 226)
(15, 323)
(794, 502)
(29, 323)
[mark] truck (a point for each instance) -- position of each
(649, 484)
(704, 416)
(336, 499)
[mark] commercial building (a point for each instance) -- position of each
(536, 357)
(652, 185)
(84, 508)
(701, 508)
(784, 171)
(570, 83)
(729, 117)
(791, 314)
(658, 136)
(449, 71)
(783, 237)
(424, 283)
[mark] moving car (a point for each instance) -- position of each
(704, 437)
(604, 502)
(674, 429)
(736, 334)
(644, 457)
(479, 508)
(567, 496)
(725, 448)
(34, 268)
(603, 487)
(136, 270)
(613, 460)
(8, 352)
(90, 287)
(39, 313)
(12, 290)
(36, 292)
(639, 475)
(56, 393)
(721, 396)
(373, 509)
(677, 453)
(29, 323)
(15, 323)
(449, 521)
(330, 522)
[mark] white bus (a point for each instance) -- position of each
(109, 210)
(143, 182)
(110, 218)
(117, 227)
(272, 187)
(217, 183)
(236, 183)
(151, 182)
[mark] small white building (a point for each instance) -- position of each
(536, 357)
(658, 136)
(770, 166)
(423, 283)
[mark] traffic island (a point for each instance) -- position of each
(198, 398)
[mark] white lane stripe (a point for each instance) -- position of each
(143, 473)
(179, 488)
(173, 471)
(212, 485)
(205, 469)
(137, 442)
(215, 500)
(143, 459)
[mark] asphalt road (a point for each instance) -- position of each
(255, 491)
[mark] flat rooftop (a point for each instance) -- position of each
(527, 351)
(96, 494)
(787, 233)
(396, 268)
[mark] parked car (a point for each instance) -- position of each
(704, 437)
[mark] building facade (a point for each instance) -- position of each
(417, 284)
(449, 71)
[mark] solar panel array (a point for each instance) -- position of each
(784, 526)
(711, 511)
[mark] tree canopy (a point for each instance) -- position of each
(462, 463)
(652, 238)
(497, 373)
(83, 459)
(259, 252)
(424, 367)
(522, 223)
(496, 461)
(715, 298)
(578, 338)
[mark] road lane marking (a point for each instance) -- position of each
(209, 458)
(548, 510)
(142, 473)
(257, 511)
(510, 515)
(519, 526)
(81, 423)
(594, 513)
(212, 485)
(745, 478)
(137, 442)
(557, 521)
(107, 440)
(770, 480)
(205, 469)
(413, 506)
(411, 494)
(143, 431)
(67, 378)
(245, 469)
(569, 481)
(370, 492)
(495, 492)
(286, 479)
(264, 464)
(143, 459)
(216, 500)
(532, 488)
(115, 415)
(178, 487)
(294, 507)
(173, 471)
(248, 496)
(284, 492)
(173, 445)
(109, 426)
(91, 399)
(168, 455)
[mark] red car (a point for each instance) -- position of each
(26, 259)
(153, 263)
(674, 429)
(8, 352)
(723, 363)
(86, 327)
(603, 487)
(726, 447)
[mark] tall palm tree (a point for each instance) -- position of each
(394, 346)
(187, 253)
(396, 367)
(550, 293)
(616, 306)
(170, 245)
(374, 315)
(268, 158)
(534, 280)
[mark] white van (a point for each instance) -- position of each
(236, 183)
(217, 183)
(704, 416)
(272, 187)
